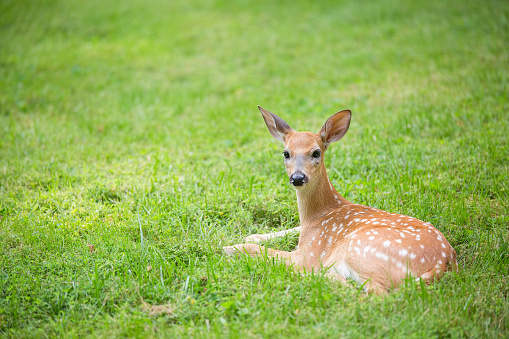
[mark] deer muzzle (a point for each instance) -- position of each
(298, 179)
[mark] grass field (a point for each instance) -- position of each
(131, 151)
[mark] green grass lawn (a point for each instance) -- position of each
(131, 151)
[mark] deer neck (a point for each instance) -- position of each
(317, 199)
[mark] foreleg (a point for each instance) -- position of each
(255, 250)
(261, 237)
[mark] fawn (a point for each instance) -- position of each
(376, 249)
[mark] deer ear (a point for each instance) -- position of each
(277, 126)
(335, 127)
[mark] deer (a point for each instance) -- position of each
(375, 249)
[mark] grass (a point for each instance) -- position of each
(131, 151)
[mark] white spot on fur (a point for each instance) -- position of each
(382, 256)
(387, 243)
(371, 237)
(398, 241)
(403, 252)
(444, 255)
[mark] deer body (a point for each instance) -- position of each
(351, 241)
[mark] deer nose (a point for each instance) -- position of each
(298, 179)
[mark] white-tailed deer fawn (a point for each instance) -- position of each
(365, 244)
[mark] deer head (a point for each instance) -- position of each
(303, 151)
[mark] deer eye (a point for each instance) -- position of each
(316, 154)
(286, 154)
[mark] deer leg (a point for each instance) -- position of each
(255, 250)
(261, 237)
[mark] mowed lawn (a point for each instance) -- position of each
(131, 151)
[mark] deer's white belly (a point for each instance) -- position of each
(346, 272)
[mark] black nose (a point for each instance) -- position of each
(298, 179)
